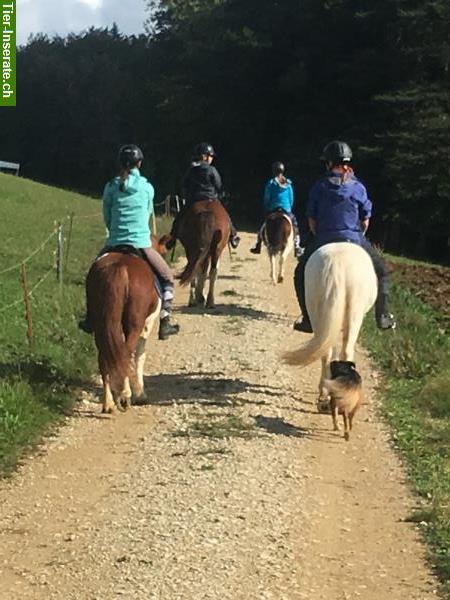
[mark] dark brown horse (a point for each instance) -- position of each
(204, 232)
(123, 305)
(278, 236)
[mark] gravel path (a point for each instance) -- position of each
(227, 485)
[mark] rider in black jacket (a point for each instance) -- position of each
(202, 182)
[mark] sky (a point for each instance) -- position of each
(64, 16)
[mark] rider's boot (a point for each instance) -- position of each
(384, 319)
(303, 324)
(166, 328)
(85, 325)
(298, 250)
(257, 247)
(234, 238)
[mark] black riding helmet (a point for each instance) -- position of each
(130, 155)
(278, 168)
(337, 152)
(204, 148)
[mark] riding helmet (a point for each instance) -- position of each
(278, 168)
(130, 155)
(204, 148)
(337, 152)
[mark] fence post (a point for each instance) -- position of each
(69, 237)
(60, 255)
(177, 202)
(154, 223)
(26, 297)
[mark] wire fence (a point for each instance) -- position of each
(60, 240)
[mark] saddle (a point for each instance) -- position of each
(125, 249)
(276, 213)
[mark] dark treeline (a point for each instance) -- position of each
(262, 81)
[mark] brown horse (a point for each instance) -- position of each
(278, 236)
(204, 232)
(123, 305)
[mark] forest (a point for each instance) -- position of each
(261, 80)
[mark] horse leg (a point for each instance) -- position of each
(108, 405)
(323, 402)
(138, 383)
(272, 259)
(201, 279)
(351, 332)
(210, 302)
(192, 299)
(281, 268)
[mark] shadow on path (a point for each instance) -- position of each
(202, 388)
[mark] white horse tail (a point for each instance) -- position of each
(326, 331)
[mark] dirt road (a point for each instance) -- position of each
(227, 485)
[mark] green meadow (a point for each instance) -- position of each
(38, 380)
(415, 363)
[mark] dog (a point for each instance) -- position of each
(345, 391)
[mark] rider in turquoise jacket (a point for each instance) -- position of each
(278, 195)
(127, 208)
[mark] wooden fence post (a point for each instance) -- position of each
(154, 223)
(26, 297)
(177, 202)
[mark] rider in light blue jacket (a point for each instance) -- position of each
(127, 208)
(278, 195)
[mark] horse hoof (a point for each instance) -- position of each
(280, 279)
(210, 305)
(108, 410)
(140, 398)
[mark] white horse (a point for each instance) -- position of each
(278, 236)
(341, 287)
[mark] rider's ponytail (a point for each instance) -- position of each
(124, 174)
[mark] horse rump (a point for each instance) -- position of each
(277, 228)
(202, 234)
(107, 290)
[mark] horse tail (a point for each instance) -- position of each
(327, 328)
(206, 229)
(275, 233)
(109, 334)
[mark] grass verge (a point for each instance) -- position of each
(415, 360)
(37, 381)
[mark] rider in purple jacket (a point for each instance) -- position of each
(339, 210)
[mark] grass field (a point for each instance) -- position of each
(415, 361)
(37, 381)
